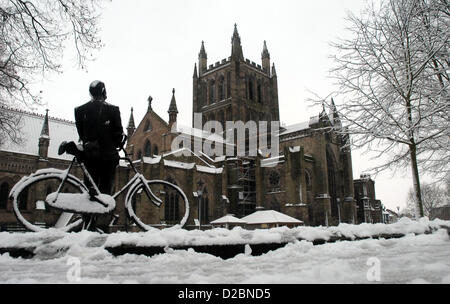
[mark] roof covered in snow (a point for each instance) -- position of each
(31, 124)
(228, 219)
(295, 128)
(269, 217)
(201, 134)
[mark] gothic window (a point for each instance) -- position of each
(222, 118)
(22, 199)
(4, 191)
(308, 181)
(221, 88)
(228, 84)
(204, 208)
(204, 99)
(203, 203)
(246, 85)
(342, 181)
(148, 126)
(261, 116)
(259, 91)
(212, 91)
(266, 93)
(147, 149)
(155, 150)
(171, 208)
(250, 89)
(274, 180)
(229, 114)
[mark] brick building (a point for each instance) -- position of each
(309, 179)
(369, 209)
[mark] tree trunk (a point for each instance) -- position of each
(416, 180)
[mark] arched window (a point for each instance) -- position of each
(22, 199)
(204, 208)
(148, 149)
(155, 150)
(212, 91)
(228, 84)
(259, 92)
(203, 203)
(204, 98)
(246, 80)
(148, 126)
(4, 192)
(229, 114)
(222, 118)
(251, 86)
(266, 93)
(221, 88)
(308, 181)
(171, 207)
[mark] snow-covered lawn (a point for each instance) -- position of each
(411, 259)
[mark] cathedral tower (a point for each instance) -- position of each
(235, 88)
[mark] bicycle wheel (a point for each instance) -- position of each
(31, 210)
(173, 213)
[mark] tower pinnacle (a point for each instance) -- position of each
(265, 57)
(202, 59)
(44, 139)
(45, 128)
(131, 126)
(202, 53)
(265, 53)
(236, 47)
(173, 111)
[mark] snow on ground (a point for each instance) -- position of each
(411, 259)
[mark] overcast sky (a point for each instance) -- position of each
(152, 46)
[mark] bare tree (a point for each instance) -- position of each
(433, 196)
(33, 35)
(392, 78)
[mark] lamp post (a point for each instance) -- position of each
(200, 193)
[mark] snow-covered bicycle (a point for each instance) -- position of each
(73, 200)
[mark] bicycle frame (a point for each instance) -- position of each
(133, 182)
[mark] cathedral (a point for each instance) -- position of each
(310, 178)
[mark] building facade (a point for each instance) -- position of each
(369, 209)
